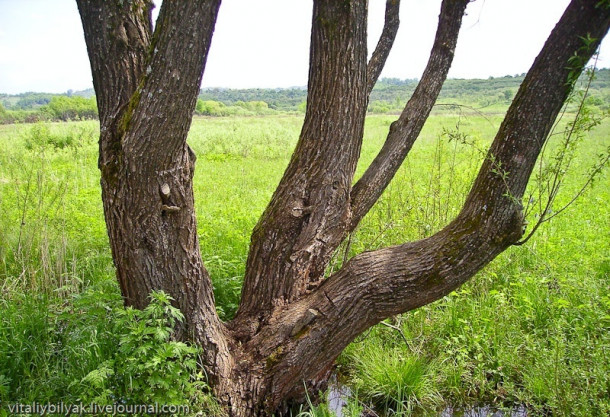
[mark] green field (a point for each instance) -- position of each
(531, 329)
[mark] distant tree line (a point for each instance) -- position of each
(239, 108)
(283, 99)
(388, 96)
(37, 107)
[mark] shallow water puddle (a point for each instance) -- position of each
(339, 394)
(337, 397)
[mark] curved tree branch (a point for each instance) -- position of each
(405, 130)
(384, 45)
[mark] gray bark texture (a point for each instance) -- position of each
(293, 321)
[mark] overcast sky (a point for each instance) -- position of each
(265, 43)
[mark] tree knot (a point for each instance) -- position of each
(169, 209)
(309, 316)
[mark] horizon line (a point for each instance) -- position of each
(300, 87)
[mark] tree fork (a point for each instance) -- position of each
(376, 285)
(147, 85)
(288, 256)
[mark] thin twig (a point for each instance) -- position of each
(557, 180)
(399, 330)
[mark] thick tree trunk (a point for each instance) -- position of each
(306, 217)
(293, 323)
(146, 87)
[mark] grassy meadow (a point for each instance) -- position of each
(532, 329)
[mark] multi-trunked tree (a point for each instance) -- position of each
(293, 321)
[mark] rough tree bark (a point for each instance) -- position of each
(146, 87)
(293, 322)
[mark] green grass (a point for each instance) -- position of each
(531, 328)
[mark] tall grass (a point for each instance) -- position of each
(64, 335)
(49, 207)
(532, 328)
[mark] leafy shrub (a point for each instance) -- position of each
(92, 350)
(40, 136)
(4, 116)
(66, 108)
(258, 107)
(211, 108)
(148, 367)
(241, 108)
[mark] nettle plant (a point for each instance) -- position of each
(148, 367)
